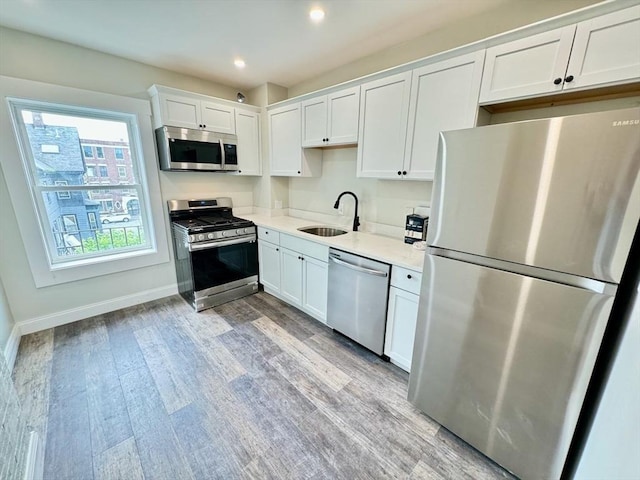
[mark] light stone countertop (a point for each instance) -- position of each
(377, 247)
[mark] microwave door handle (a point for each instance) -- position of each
(222, 154)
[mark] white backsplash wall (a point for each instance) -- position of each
(383, 204)
(187, 185)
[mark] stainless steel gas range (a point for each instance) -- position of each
(216, 253)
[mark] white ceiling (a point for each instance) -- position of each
(202, 37)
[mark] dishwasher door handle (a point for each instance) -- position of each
(357, 268)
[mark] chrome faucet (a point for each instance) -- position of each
(356, 218)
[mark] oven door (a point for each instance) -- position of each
(222, 265)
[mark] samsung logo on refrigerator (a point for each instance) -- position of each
(624, 123)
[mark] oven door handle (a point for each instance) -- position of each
(194, 247)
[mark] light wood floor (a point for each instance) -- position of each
(250, 389)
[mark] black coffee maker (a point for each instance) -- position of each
(415, 229)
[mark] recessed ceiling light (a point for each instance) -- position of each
(316, 14)
(238, 62)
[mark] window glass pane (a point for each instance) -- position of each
(61, 143)
(91, 222)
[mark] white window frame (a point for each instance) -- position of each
(92, 218)
(98, 150)
(44, 272)
(122, 172)
(65, 195)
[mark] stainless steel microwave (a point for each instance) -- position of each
(186, 149)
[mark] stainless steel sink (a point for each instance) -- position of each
(323, 231)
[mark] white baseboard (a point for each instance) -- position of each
(86, 311)
(34, 463)
(11, 348)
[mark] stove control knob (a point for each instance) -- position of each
(222, 234)
(200, 237)
(240, 231)
(192, 238)
(210, 236)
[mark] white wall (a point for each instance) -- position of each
(6, 319)
(613, 447)
(37, 58)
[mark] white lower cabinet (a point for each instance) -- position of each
(294, 270)
(269, 265)
(291, 276)
(315, 282)
(402, 315)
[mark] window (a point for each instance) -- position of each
(63, 195)
(50, 148)
(93, 221)
(119, 152)
(71, 223)
(107, 206)
(38, 220)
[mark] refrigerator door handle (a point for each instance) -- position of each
(596, 286)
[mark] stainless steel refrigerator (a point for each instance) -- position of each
(531, 226)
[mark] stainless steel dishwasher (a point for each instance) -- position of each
(357, 298)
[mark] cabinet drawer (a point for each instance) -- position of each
(269, 235)
(305, 247)
(406, 279)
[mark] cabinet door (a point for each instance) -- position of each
(180, 111)
(248, 131)
(384, 108)
(527, 67)
(606, 50)
(342, 116)
(285, 141)
(444, 96)
(314, 288)
(314, 122)
(269, 263)
(401, 327)
(291, 276)
(218, 118)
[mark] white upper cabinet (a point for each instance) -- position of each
(444, 96)
(248, 132)
(606, 51)
(527, 67)
(287, 158)
(384, 108)
(218, 118)
(189, 112)
(331, 119)
(401, 116)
